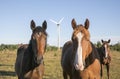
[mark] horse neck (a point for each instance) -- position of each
(100, 50)
(93, 54)
(101, 53)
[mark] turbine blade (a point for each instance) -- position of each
(53, 21)
(61, 20)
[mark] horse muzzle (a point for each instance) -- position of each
(79, 67)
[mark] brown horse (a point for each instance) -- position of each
(105, 56)
(80, 59)
(29, 62)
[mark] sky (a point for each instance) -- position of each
(15, 17)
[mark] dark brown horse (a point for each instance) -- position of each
(105, 56)
(80, 59)
(29, 62)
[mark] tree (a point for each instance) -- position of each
(99, 44)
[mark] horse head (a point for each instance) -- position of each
(38, 40)
(105, 48)
(81, 41)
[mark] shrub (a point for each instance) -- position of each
(51, 48)
(8, 47)
(115, 46)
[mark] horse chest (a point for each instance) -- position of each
(36, 73)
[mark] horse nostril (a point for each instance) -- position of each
(84, 64)
(76, 66)
(105, 57)
(39, 59)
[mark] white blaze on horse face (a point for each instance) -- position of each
(106, 51)
(78, 63)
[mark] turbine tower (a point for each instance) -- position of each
(58, 28)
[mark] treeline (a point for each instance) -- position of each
(115, 47)
(8, 47)
(15, 46)
(51, 48)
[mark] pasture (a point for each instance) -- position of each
(52, 65)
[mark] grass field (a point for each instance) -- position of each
(52, 65)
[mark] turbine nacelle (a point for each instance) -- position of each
(58, 24)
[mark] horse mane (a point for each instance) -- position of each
(31, 52)
(27, 54)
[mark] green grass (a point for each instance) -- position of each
(52, 65)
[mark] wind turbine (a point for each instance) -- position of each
(58, 28)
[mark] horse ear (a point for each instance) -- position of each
(32, 25)
(44, 25)
(109, 41)
(102, 41)
(73, 23)
(86, 24)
